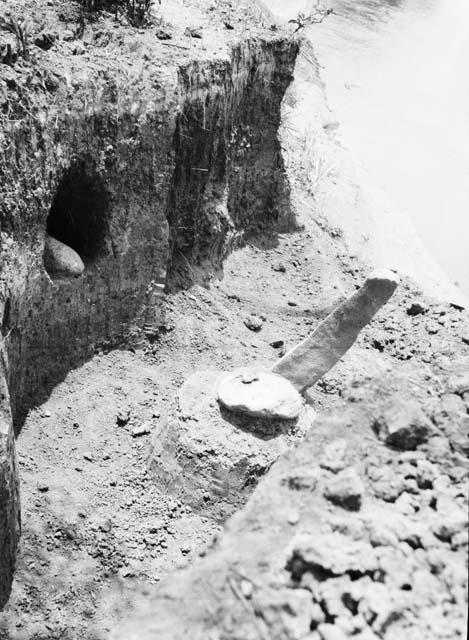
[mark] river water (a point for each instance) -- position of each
(396, 74)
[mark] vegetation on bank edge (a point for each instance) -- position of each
(137, 12)
(316, 15)
(21, 31)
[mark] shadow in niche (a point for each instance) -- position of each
(44, 343)
(79, 213)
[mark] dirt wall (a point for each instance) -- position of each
(133, 194)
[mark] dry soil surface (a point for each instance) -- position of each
(96, 529)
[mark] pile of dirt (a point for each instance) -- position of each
(361, 531)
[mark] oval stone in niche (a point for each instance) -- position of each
(61, 260)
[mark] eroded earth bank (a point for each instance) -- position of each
(164, 158)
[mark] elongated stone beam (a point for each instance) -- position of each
(61, 260)
(9, 490)
(306, 363)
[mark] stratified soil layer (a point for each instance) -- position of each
(150, 159)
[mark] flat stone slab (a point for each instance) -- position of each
(260, 394)
(306, 363)
(61, 260)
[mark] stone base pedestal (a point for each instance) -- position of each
(212, 458)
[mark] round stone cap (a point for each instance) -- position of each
(259, 393)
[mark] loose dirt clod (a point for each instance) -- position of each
(346, 489)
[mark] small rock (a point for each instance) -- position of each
(162, 34)
(123, 416)
(43, 488)
(459, 383)
(246, 588)
(254, 323)
(193, 32)
(334, 552)
(88, 456)
(406, 503)
(276, 344)
(346, 489)
(293, 518)
(379, 340)
(416, 308)
(410, 485)
(382, 536)
(279, 267)
(292, 303)
(460, 539)
(437, 448)
(141, 430)
(426, 474)
(185, 549)
(403, 425)
(302, 482)
(334, 456)
(287, 610)
(432, 327)
(105, 525)
(317, 614)
(156, 525)
(453, 520)
(78, 49)
(52, 81)
(331, 632)
(45, 40)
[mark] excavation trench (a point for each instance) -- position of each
(166, 203)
